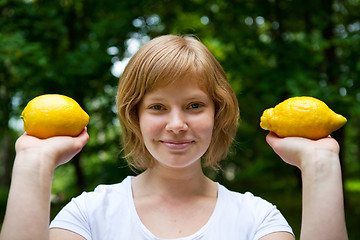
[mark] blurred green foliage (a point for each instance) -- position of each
(270, 49)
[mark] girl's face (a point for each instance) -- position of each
(176, 122)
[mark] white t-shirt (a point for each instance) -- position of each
(109, 213)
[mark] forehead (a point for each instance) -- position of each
(180, 87)
(172, 74)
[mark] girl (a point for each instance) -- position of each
(178, 114)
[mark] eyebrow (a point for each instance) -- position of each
(198, 96)
(195, 96)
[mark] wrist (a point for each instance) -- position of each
(321, 162)
(34, 161)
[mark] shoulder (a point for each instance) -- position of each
(246, 205)
(262, 217)
(104, 195)
(104, 199)
(92, 213)
(118, 188)
(246, 199)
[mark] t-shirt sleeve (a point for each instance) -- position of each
(73, 217)
(269, 219)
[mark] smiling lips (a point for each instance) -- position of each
(177, 145)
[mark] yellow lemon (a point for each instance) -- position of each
(301, 117)
(54, 115)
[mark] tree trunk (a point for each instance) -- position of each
(79, 173)
(6, 159)
(331, 68)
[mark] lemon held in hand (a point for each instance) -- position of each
(301, 117)
(54, 115)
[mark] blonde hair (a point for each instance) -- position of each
(164, 60)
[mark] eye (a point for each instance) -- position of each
(195, 105)
(156, 107)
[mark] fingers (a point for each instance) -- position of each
(83, 137)
(297, 150)
(271, 138)
(68, 147)
(58, 150)
(282, 148)
(80, 141)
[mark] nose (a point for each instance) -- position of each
(176, 122)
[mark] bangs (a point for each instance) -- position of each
(167, 66)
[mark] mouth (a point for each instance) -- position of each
(177, 145)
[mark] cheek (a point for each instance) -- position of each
(149, 127)
(205, 127)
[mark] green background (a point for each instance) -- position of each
(270, 49)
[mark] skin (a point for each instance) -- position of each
(176, 186)
(28, 207)
(318, 160)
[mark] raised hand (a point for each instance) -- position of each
(56, 150)
(29, 197)
(299, 151)
(323, 209)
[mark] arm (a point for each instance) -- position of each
(323, 215)
(28, 207)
